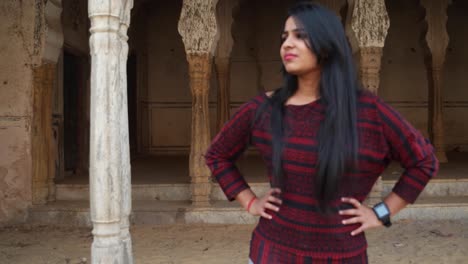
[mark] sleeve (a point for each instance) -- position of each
(226, 148)
(414, 152)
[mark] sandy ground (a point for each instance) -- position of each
(406, 242)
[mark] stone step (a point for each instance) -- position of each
(76, 213)
(181, 191)
(436, 187)
(144, 192)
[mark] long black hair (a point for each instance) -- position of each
(339, 86)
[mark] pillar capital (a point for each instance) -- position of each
(370, 22)
(197, 26)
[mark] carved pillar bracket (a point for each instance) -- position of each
(108, 131)
(437, 40)
(370, 23)
(199, 31)
(222, 59)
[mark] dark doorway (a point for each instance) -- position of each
(74, 111)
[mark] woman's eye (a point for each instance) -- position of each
(301, 35)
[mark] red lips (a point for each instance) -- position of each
(289, 56)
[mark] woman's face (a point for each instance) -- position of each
(297, 57)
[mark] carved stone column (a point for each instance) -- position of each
(437, 40)
(108, 131)
(370, 25)
(197, 26)
(222, 59)
(124, 136)
(44, 85)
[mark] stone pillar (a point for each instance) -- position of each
(124, 133)
(109, 132)
(197, 26)
(437, 40)
(44, 77)
(370, 25)
(44, 146)
(124, 136)
(222, 59)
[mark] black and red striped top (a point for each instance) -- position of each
(299, 232)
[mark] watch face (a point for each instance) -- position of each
(381, 210)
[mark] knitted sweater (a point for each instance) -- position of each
(299, 233)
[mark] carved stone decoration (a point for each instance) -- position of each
(334, 5)
(437, 40)
(108, 137)
(124, 137)
(370, 60)
(370, 23)
(198, 28)
(222, 59)
(200, 71)
(348, 28)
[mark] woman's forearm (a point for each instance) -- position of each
(395, 203)
(245, 197)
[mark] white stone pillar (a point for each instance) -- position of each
(370, 23)
(437, 40)
(124, 137)
(109, 132)
(198, 28)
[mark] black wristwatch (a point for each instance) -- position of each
(383, 213)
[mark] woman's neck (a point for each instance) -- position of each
(308, 86)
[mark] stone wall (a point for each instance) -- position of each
(404, 77)
(21, 28)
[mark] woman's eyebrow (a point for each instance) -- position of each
(296, 30)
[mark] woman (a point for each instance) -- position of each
(324, 143)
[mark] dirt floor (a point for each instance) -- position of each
(405, 242)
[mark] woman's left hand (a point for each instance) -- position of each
(362, 214)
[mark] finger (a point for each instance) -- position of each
(271, 207)
(349, 212)
(351, 221)
(352, 201)
(358, 231)
(274, 191)
(274, 200)
(265, 215)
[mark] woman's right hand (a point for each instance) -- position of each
(269, 201)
